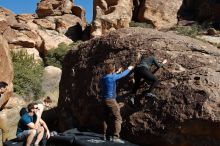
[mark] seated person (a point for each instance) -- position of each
(28, 127)
(45, 104)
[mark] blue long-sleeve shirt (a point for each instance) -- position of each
(108, 84)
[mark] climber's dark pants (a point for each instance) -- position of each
(143, 72)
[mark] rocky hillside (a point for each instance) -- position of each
(110, 15)
(187, 107)
(5, 63)
(9, 118)
(186, 112)
(55, 22)
(46, 29)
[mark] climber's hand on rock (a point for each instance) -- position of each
(131, 67)
(119, 70)
(164, 61)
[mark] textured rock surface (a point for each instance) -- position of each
(51, 39)
(45, 23)
(69, 25)
(215, 40)
(80, 12)
(9, 118)
(25, 38)
(7, 15)
(6, 70)
(110, 15)
(54, 7)
(160, 13)
(186, 111)
(5, 62)
(29, 31)
(51, 80)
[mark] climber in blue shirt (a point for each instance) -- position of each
(108, 83)
(110, 105)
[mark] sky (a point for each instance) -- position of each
(29, 6)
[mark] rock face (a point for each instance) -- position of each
(215, 40)
(54, 7)
(162, 14)
(7, 15)
(9, 118)
(202, 9)
(51, 39)
(5, 62)
(51, 80)
(109, 15)
(186, 110)
(79, 12)
(6, 70)
(28, 31)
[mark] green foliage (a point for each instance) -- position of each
(74, 44)
(140, 24)
(27, 75)
(193, 30)
(55, 56)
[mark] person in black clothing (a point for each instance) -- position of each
(142, 70)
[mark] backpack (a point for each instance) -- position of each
(23, 111)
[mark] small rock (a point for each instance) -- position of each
(211, 31)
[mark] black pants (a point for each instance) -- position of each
(143, 72)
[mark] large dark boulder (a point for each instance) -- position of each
(203, 10)
(186, 111)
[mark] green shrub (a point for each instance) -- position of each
(191, 31)
(74, 44)
(27, 75)
(55, 56)
(140, 24)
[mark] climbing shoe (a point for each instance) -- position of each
(107, 137)
(117, 140)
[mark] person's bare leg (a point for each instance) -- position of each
(40, 135)
(30, 137)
